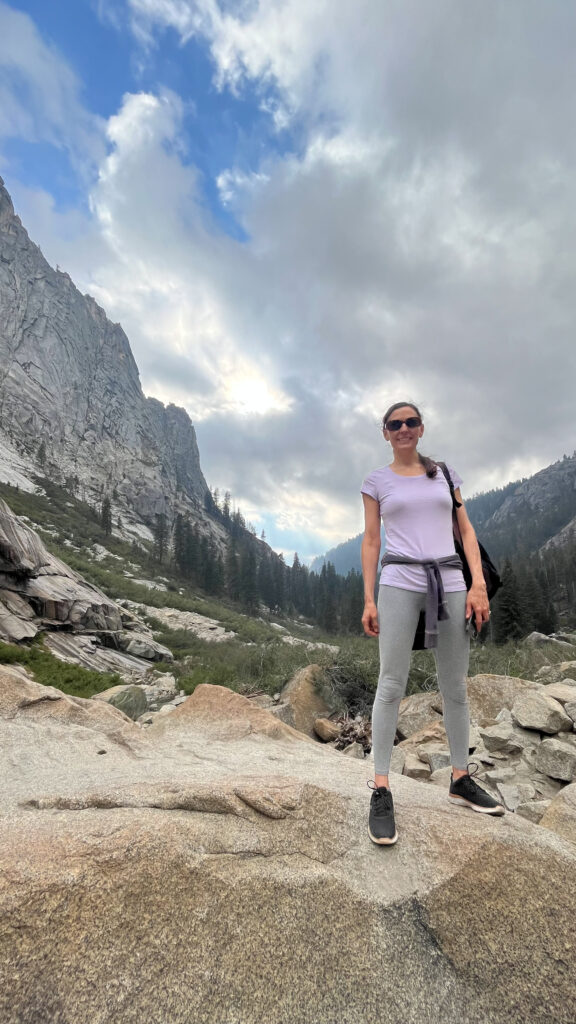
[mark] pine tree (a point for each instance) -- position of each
(507, 621)
(160, 533)
(279, 579)
(265, 581)
(549, 619)
(247, 577)
(41, 456)
(232, 573)
(226, 509)
(179, 543)
(106, 516)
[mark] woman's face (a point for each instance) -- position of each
(406, 438)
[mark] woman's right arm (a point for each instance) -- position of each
(370, 556)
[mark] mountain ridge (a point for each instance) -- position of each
(71, 402)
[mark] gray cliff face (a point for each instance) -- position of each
(549, 488)
(68, 377)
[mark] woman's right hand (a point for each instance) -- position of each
(370, 619)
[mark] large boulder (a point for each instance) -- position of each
(540, 712)
(216, 868)
(418, 711)
(507, 737)
(556, 673)
(560, 814)
(562, 692)
(128, 698)
(22, 700)
(557, 758)
(142, 645)
(488, 694)
(536, 639)
(302, 701)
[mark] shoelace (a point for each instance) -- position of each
(467, 781)
(382, 797)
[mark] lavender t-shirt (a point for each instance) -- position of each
(417, 515)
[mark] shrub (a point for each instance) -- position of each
(50, 671)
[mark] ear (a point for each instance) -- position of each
(386, 434)
(420, 430)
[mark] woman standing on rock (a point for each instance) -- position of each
(421, 572)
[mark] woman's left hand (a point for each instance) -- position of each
(478, 605)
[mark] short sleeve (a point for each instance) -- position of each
(455, 478)
(369, 487)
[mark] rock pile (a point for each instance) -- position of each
(522, 738)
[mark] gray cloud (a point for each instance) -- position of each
(419, 245)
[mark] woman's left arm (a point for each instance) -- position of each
(477, 602)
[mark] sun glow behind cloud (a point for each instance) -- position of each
(252, 395)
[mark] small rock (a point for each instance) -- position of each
(130, 699)
(533, 810)
(414, 768)
(562, 692)
(501, 774)
(433, 755)
(513, 795)
(432, 732)
(557, 758)
(397, 760)
(326, 730)
(557, 673)
(441, 777)
(354, 750)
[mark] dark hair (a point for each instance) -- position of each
(427, 463)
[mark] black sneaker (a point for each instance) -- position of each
(381, 827)
(466, 791)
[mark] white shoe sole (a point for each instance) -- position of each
(498, 810)
(383, 842)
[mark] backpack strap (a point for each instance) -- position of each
(455, 504)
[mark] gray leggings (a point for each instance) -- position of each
(398, 612)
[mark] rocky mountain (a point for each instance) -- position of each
(522, 518)
(531, 515)
(71, 403)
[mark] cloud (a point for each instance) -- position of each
(40, 95)
(416, 242)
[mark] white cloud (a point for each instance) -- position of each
(419, 244)
(40, 95)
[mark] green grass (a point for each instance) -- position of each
(244, 668)
(351, 679)
(50, 671)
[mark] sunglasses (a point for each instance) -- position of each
(411, 422)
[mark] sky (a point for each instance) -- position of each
(302, 211)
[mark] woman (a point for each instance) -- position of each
(421, 572)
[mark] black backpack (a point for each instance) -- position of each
(491, 576)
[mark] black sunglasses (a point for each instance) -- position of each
(412, 421)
